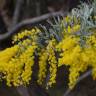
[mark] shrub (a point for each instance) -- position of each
(71, 42)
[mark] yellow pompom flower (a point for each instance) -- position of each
(67, 19)
(69, 30)
(76, 28)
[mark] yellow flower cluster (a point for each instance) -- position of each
(52, 62)
(43, 56)
(28, 59)
(72, 54)
(5, 55)
(75, 28)
(77, 51)
(67, 19)
(78, 57)
(16, 62)
(47, 56)
(26, 33)
(6, 66)
(70, 28)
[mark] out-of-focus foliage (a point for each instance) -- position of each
(71, 42)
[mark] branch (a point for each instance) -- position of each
(68, 91)
(17, 12)
(3, 27)
(29, 21)
(23, 91)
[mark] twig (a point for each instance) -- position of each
(16, 12)
(22, 91)
(29, 21)
(38, 8)
(3, 27)
(68, 91)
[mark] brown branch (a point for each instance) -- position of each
(23, 91)
(16, 12)
(29, 21)
(38, 9)
(68, 91)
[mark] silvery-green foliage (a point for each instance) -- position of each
(85, 12)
